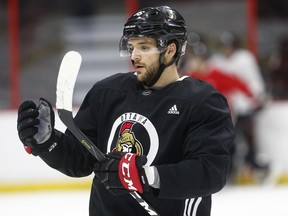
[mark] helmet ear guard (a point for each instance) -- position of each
(183, 48)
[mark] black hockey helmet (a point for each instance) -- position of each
(161, 23)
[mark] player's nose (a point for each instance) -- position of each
(135, 55)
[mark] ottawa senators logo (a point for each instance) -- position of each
(127, 141)
(134, 133)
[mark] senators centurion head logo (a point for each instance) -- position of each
(127, 141)
(134, 133)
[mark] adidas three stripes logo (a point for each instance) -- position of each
(173, 110)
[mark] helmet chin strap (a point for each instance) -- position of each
(161, 68)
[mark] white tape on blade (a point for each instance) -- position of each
(67, 76)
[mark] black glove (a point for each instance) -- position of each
(122, 172)
(35, 126)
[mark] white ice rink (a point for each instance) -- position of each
(232, 201)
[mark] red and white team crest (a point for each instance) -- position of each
(134, 133)
(127, 141)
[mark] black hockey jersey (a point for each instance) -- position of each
(184, 129)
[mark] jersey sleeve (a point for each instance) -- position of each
(206, 155)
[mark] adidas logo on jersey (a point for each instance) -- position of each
(173, 110)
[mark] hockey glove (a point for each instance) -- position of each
(35, 126)
(122, 172)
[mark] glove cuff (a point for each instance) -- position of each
(47, 146)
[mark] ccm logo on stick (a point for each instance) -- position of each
(128, 173)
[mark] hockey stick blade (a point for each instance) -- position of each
(66, 80)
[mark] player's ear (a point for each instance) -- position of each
(171, 50)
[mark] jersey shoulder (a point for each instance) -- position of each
(115, 85)
(115, 81)
(191, 88)
(197, 92)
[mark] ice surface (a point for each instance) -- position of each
(232, 201)
(70, 203)
(251, 201)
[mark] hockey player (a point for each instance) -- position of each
(166, 137)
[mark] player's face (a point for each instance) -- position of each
(145, 58)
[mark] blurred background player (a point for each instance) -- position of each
(233, 59)
(196, 64)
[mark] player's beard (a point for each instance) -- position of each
(150, 74)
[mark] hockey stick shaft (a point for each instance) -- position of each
(67, 118)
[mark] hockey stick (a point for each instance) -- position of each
(64, 94)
